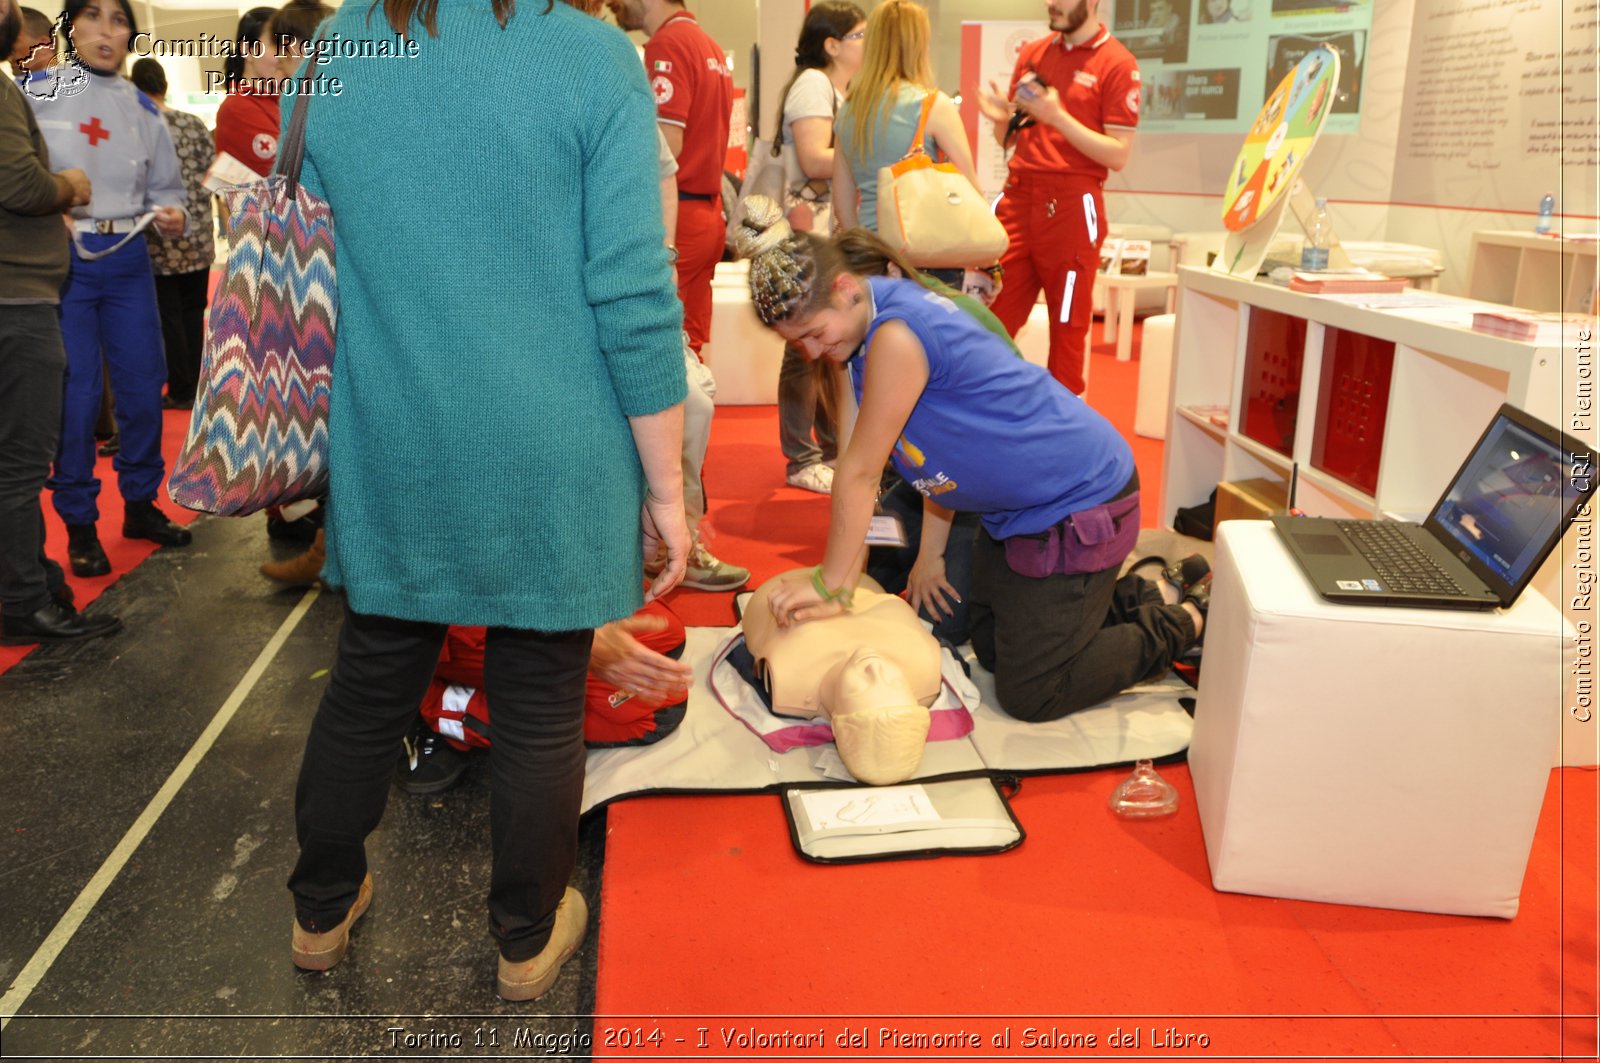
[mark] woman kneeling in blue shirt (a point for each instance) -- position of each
(974, 428)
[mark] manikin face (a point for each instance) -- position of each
(878, 725)
(100, 36)
(628, 13)
(1066, 17)
(868, 681)
(835, 331)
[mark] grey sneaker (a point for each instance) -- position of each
(706, 573)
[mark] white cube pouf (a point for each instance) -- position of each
(744, 356)
(1155, 377)
(1395, 758)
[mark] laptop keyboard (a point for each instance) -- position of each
(1400, 564)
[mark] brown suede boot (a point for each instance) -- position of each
(318, 952)
(300, 571)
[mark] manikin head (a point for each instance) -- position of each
(870, 671)
(878, 726)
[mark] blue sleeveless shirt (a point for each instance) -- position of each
(992, 433)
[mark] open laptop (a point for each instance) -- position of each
(1500, 517)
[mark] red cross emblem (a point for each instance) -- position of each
(94, 131)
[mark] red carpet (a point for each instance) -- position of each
(715, 932)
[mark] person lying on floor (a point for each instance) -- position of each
(871, 672)
(974, 429)
(636, 694)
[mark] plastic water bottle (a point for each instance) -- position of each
(1314, 256)
(1547, 210)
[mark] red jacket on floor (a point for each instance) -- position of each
(456, 707)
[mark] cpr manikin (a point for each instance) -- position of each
(871, 672)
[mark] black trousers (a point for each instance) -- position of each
(535, 680)
(32, 365)
(181, 298)
(1063, 643)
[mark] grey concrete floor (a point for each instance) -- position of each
(185, 951)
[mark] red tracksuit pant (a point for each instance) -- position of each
(1056, 226)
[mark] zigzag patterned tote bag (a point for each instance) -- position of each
(258, 436)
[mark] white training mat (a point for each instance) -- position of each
(712, 751)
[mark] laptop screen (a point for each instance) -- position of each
(1510, 499)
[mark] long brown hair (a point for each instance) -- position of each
(829, 20)
(896, 53)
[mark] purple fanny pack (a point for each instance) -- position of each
(1091, 540)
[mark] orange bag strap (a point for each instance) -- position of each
(917, 147)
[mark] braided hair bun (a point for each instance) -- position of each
(783, 263)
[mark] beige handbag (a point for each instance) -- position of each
(931, 214)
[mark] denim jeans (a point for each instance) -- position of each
(891, 565)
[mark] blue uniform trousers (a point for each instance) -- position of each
(109, 310)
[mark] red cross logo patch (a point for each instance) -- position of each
(265, 145)
(94, 131)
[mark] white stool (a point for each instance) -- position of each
(1363, 755)
(1120, 291)
(743, 354)
(1155, 377)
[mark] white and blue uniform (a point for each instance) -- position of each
(116, 135)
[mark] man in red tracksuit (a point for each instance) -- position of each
(1070, 112)
(693, 86)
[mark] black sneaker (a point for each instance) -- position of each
(428, 764)
(1187, 573)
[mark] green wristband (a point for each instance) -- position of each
(842, 596)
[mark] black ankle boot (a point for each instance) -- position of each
(84, 551)
(142, 520)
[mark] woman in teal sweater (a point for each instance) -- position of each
(506, 414)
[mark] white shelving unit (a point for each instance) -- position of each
(1522, 269)
(1445, 384)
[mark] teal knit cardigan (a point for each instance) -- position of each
(505, 305)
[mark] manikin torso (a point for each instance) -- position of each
(804, 665)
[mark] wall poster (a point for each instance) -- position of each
(1208, 65)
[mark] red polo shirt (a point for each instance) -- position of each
(247, 129)
(1098, 82)
(694, 89)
